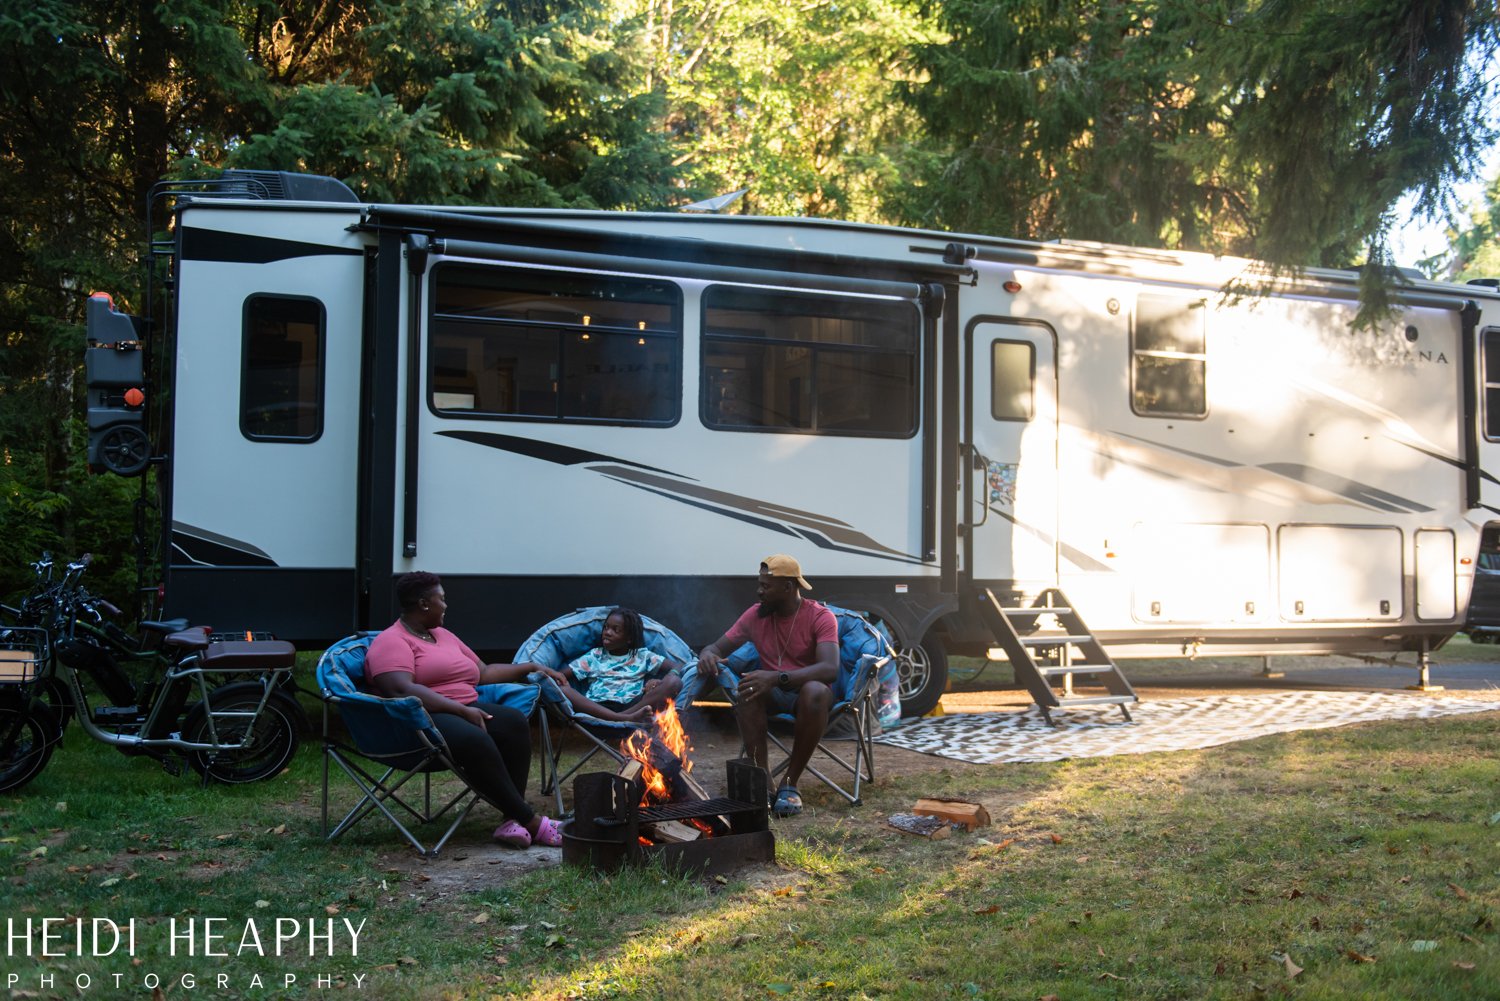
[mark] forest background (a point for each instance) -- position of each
(1287, 130)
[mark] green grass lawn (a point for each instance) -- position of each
(1362, 862)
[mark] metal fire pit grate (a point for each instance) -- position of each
(605, 832)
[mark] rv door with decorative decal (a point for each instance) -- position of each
(1012, 454)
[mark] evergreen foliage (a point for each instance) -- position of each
(1279, 129)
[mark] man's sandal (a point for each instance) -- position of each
(788, 802)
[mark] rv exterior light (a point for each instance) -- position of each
(1464, 561)
(134, 397)
(640, 325)
(587, 319)
(583, 337)
(1012, 286)
(641, 341)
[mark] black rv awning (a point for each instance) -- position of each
(471, 235)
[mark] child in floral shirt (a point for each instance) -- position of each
(620, 679)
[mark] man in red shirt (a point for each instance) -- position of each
(797, 641)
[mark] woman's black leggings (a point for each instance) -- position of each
(494, 759)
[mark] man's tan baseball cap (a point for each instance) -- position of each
(782, 565)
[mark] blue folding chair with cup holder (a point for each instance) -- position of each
(860, 698)
(386, 743)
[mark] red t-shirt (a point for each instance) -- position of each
(786, 644)
(446, 665)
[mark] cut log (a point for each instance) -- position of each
(964, 814)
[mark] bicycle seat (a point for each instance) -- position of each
(186, 639)
(239, 655)
(166, 626)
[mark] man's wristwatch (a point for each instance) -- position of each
(784, 681)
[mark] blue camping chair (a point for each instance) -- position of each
(866, 665)
(558, 644)
(394, 737)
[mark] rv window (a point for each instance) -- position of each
(281, 369)
(1169, 357)
(1492, 384)
(554, 346)
(1013, 375)
(781, 361)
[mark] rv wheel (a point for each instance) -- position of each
(923, 671)
(124, 450)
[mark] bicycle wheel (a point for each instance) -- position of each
(29, 732)
(270, 740)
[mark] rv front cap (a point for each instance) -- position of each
(786, 566)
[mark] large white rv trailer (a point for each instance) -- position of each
(556, 408)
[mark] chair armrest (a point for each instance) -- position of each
(407, 709)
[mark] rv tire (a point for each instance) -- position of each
(923, 670)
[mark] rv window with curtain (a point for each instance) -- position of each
(784, 361)
(1169, 359)
(1012, 381)
(551, 345)
(1491, 363)
(281, 369)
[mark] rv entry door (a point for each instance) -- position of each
(1011, 472)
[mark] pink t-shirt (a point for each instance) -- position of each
(786, 644)
(446, 665)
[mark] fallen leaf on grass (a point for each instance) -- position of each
(1462, 966)
(278, 829)
(406, 961)
(1469, 939)
(1292, 969)
(223, 837)
(547, 924)
(992, 909)
(1049, 997)
(740, 940)
(331, 909)
(1458, 891)
(1056, 838)
(555, 941)
(1315, 924)
(480, 918)
(779, 988)
(1219, 968)
(40, 851)
(1292, 894)
(262, 904)
(1106, 975)
(1359, 957)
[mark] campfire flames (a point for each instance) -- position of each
(665, 766)
(647, 748)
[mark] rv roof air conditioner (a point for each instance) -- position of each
(283, 186)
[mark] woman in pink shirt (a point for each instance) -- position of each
(490, 744)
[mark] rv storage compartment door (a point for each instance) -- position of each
(1436, 566)
(1201, 573)
(1340, 573)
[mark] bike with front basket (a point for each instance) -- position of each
(171, 692)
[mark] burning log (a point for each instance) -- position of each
(671, 832)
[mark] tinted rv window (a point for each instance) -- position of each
(1013, 374)
(281, 369)
(1492, 384)
(1169, 357)
(555, 346)
(780, 361)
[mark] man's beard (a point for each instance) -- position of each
(765, 609)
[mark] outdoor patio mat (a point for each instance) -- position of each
(1169, 725)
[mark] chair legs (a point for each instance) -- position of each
(862, 768)
(552, 775)
(377, 792)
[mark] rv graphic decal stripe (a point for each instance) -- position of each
(563, 455)
(821, 530)
(241, 248)
(1286, 480)
(836, 531)
(1360, 493)
(200, 547)
(1072, 554)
